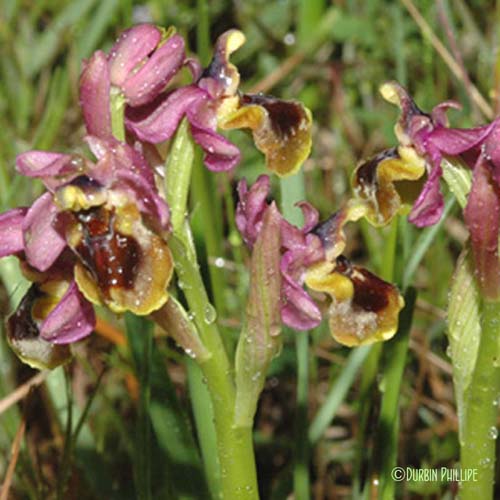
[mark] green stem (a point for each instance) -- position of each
(208, 217)
(234, 444)
(238, 478)
(480, 430)
(202, 410)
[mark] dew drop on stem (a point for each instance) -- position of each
(210, 314)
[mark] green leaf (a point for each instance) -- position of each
(463, 330)
(260, 340)
(337, 392)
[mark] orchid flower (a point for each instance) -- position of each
(112, 217)
(97, 236)
(139, 67)
(281, 129)
(431, 138)
(363, 308)
(424, 141)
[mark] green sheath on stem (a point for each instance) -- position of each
(481, 411)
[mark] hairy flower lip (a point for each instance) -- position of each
(281, 129)
(364, 309)
(122, 263)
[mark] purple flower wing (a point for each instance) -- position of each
(11, 234)
(455, 141)
(53, 169)
(130, 49)
(158, 120)
(428, 208)
(144, 85)
(72, 319)
(298, 311)
(95, 87)
(42, 243)
(221, 155)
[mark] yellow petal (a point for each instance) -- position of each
(81, 194)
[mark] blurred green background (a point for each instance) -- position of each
(332, 56)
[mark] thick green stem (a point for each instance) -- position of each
(480, 431)
(234, 444)
(238, 478)
(301, 469)
(205, 426)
